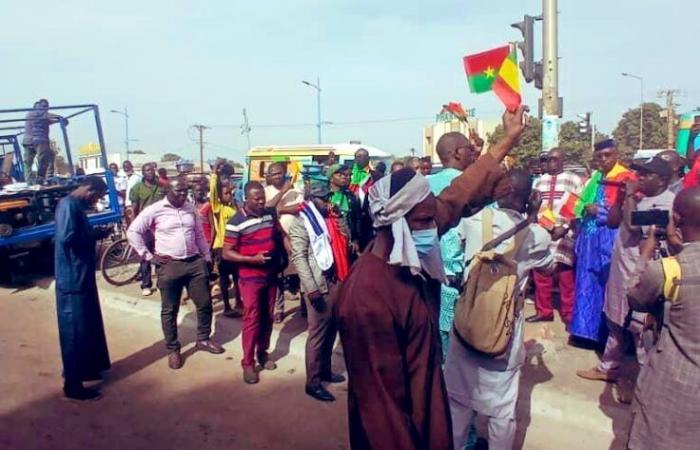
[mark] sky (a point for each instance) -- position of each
(385, 67)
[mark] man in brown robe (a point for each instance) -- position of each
(387, 309)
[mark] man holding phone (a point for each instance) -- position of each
(254, 241)
(649, 193)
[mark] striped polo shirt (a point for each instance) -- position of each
(249, 235)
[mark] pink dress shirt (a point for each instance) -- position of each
(178, 231)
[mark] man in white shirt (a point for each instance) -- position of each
(132, 179)
(281, 195)
(479, 384)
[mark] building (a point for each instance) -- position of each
(446, 122)
(89, 159)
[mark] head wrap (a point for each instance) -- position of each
(390, 199)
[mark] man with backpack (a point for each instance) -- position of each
(502, 245)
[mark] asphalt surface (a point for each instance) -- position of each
(206, 405)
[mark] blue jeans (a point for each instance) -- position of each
(145, 275)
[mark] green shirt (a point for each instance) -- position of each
(143, 195)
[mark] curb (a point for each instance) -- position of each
(146, 307)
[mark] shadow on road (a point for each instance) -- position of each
(533, 372)
(291, 329)
(166, 414)
(618, 413)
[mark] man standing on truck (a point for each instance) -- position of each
(36, 141)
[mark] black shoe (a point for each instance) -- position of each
(81, 393)
(320, 393)
(538, 318)
(333, 378)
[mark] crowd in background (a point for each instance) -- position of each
(383, 261)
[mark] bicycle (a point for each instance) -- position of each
(120, 263)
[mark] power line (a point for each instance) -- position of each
(333, 123)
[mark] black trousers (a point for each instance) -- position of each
(322, 331)
(228, 270)
(172, 278)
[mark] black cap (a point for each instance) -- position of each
(654, 165)
(607, 143)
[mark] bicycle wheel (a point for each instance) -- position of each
(120, 263)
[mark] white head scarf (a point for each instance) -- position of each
(391, 211)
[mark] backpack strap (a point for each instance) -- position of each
(672, 278)
(493, 243)
(487, 227)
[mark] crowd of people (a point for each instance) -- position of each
(382, 261)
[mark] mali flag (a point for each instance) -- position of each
(495, 70)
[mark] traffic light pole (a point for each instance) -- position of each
(550, 78)
(550, 82)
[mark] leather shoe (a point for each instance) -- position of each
(266, 362)
(250, 376)
(175, 360)
(210, 346)
(538, 318)
(80, 393)
(596, 374)
(333, 378)
(320, 393)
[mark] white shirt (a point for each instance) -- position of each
(292, 197)
(534, 253)
(131, 181)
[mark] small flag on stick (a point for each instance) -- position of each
(495, 70)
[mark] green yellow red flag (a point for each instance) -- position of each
(495, 70)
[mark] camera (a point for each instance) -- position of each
(658, 217)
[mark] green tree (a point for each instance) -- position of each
(137, 152)
(61, 165)
(577, 145)
(170, 157)
(654, 133)
(530, 145)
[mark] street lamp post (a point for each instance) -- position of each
(124, 113)
(641, 106)
(317, 86)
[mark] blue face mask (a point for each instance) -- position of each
(425, 240)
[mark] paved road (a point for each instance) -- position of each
(206, 405)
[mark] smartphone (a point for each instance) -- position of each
(657, 217)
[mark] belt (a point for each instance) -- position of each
(186, 260)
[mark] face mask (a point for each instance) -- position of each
(425, 240)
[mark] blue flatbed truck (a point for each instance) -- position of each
(27, 211)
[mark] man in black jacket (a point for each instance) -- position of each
(348, 204)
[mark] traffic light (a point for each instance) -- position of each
(527, 46)
(584, 125)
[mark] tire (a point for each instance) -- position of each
(120, 263)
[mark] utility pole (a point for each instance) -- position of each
(317, 86)
(670, 115)
(201, 129)
(245, 127)
(641, 105)
(125, 114)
